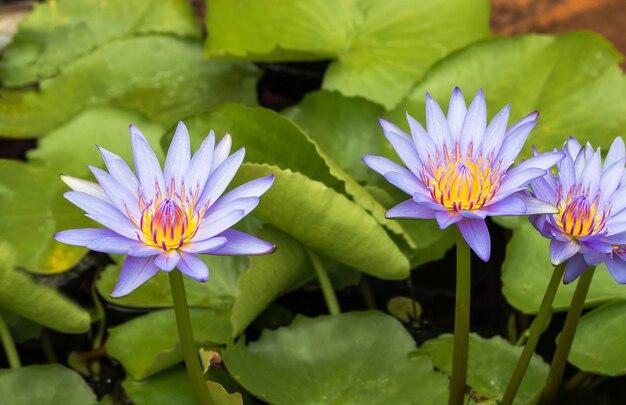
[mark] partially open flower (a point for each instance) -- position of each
(458, 170)
(590, 227)
(162, 219)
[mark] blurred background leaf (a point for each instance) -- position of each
(378, 49)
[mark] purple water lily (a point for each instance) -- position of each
(590, 226)
(162, 219)
(457, 171)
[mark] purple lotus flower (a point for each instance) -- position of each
(162, 219)
(457, 171)
(590, 226)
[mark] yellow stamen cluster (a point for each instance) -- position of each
(170, 219)
(578, 213)
(462, 182)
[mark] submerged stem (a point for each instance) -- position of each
(187, 342)
(327, 287)
(461, 321)
(536, 330)
(567, 337)
(8, 344)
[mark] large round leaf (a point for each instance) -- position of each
(143, 77)
(49, 384)
(380, 48)
(599, 346)
(327, 222)
(55, 34)
(44, 305)
(352, 358)
(561, 76)
(491, 364)
(150, 343)
(526, 272)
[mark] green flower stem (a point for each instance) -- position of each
(9, 345)
(461, 321)
(535, 332)
(567, 337)
(325, 284)
(187, 342)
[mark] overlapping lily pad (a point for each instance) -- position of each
(599, 346)
(346, 128)
(332, 359)
(491, 364)
(379, 49)
(561, 76)
(270, 138)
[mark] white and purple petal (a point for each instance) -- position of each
(135, 272)
(476, 235)
(574, 268)
(178, 156)
(409, 209)
(192, 266)
(241, 244)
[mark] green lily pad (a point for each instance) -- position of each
(347, 358)
(218, 293)
(268, 277)
(172, 386)
(604, 324)
(163, 77)
(55, 34)
(39, 303)
(150, 343)
(491, 364)
(271, 138)
(379, 49)
(525, 276)
(560, 76)
(49, 384)
(326, 222)
(348, 130)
